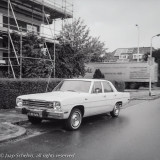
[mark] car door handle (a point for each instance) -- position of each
(104, 96)
(86, 99)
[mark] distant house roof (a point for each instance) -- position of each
(134, 50)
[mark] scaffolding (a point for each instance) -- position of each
(48, 11)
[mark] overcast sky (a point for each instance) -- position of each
(114, 21)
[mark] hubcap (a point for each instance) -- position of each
(76, 120)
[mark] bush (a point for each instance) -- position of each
(11, 89)
(98, 74)
(120, 86)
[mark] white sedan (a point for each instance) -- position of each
(73, 99)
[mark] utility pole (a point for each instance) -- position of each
(150, 65)
(138, 41)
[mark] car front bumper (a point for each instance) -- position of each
(41, 112)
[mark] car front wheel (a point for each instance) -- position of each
(75, 119)
(34, 120)
(115, 111)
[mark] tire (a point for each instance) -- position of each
(74, 121)
(115, 112)
(34, 120)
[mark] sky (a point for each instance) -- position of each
(114, 21)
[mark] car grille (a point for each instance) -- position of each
(34, 103)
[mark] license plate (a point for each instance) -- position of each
(33, 114)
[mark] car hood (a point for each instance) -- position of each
(52, 96)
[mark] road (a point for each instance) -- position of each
(135, 135)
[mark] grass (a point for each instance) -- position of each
(6, 129)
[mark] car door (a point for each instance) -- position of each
(110, 96)
(96, 100)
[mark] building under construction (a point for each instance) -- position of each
(29, 16)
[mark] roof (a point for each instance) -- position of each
(133, 50)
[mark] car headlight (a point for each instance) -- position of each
(55, 105)
(19, 102)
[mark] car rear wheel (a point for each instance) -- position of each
(34, 120)
(115, 111)
(75, 119)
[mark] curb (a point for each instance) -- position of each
(146, 98)
(21, 131)
(20, 122)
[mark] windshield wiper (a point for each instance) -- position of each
(71, 90)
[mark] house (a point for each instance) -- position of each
(130, 54)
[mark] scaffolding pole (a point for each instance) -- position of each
(14, 14)
(21, 60)
(12, 69)
(54, 72)
(8, 37)
(13, 48)
(53, 36)
(49, 53)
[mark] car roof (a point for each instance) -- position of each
(76, 79)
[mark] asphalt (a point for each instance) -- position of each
(9, 119)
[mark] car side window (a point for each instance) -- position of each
(97, 87)
(107, 87)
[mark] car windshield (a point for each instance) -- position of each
(74, 86)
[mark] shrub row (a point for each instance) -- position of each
(11, 88)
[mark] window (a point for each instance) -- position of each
(123, 56)
(97, 87)
(32, 28)
(107, 87)
(137, 56)
(74, 86)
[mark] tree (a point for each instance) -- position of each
(97, 50)
(156, 55)
(78, 35)
(75, 48)
(34, 63)
(98, 74)
(68, 63)
(38, 65)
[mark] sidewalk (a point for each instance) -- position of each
(143, 94)
(9, 118)
(8, 128)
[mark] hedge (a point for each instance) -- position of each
(11, 89)
(120, 86)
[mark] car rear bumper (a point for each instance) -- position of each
(41, 113)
